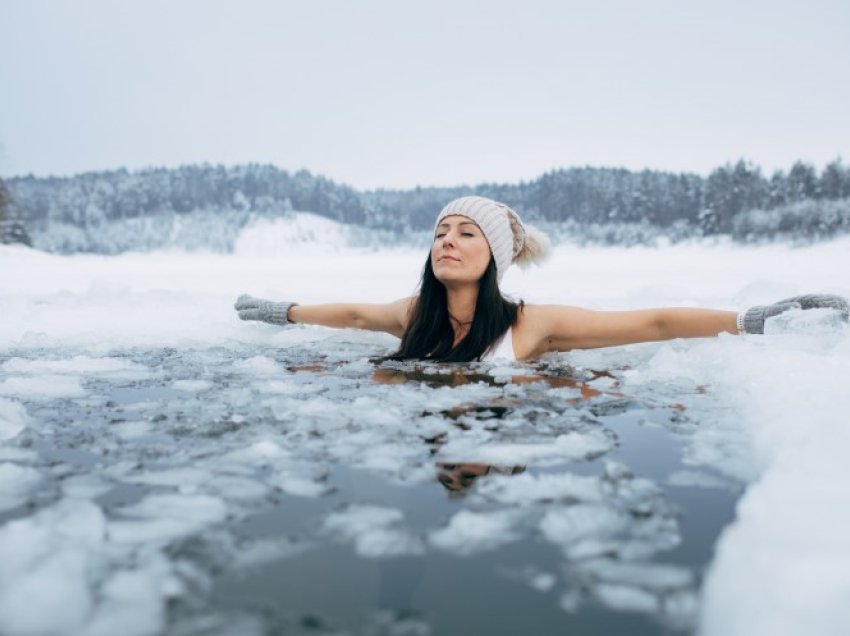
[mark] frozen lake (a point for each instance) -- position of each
(167, 468)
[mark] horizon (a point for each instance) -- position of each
(765, 173)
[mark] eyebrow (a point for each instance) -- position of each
(461, 223)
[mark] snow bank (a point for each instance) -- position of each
(787, 552)
(302, 232)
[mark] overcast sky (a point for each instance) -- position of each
(397, 94)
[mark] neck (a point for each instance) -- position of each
(461, 306)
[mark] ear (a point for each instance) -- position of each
(536, 249)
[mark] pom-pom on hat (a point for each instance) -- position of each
(511, 241)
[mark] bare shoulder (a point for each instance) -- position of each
(532, 330)
(404, 310)
(540, 319)
(391, 317)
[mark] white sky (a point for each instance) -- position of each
(396, 94)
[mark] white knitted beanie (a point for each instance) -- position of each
(510, 240)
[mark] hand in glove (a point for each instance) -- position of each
(752, 320)
(250, 308)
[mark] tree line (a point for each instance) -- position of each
(596, 204)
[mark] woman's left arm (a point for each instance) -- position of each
(562, 328)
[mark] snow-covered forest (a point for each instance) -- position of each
(206, 206)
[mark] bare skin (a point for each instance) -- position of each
(460, 255)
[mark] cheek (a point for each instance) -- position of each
(484, 257)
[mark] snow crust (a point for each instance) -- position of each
(139, 365)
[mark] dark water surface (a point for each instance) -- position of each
(329, 453)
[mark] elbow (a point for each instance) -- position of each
(356, 319)
(660, 326)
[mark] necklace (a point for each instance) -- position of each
(459, 323)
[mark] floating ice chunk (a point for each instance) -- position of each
(21, 455)
(300, 485)
(13, 418)
(163, 518)
(505, 371)
(355, 368)
(374, 531)
(85, 486)
(568, 526)
(469, 532)
(681, 608)
(106, 368)
(191, 385)
(176, 477)
(132, 602)
(261, 453)
(623, 598)
(259, 366)
(539, 580)
(395, 623)
(543, 581)
(236, 488)
(567, 447)
(16, 482)
(528, 488)
(42, 387)
(260, 552)
(695, 478)
(356, 519)
(570, 601)
(393, 458)
(47, 563)
(287, 387)
(659, 577)
(131, 430)
(388, 542)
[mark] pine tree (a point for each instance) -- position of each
(12, 230)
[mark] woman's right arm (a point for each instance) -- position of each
(389, 317)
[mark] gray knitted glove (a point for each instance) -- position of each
(752, 320)
(250, 308)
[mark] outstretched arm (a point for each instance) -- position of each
(390, 317)
(563, 328)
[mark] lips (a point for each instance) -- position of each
(448, 258)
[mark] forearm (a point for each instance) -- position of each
(682, 322)
(328, 315)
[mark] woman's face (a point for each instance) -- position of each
(460, 252)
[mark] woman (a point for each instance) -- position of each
(460, 315)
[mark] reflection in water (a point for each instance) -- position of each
(458, 477)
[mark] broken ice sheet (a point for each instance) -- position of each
(375, 531)
(159, 519)
(13, 418)
(42, 387)
(563, 448)
(16, 482)
(114, 369)
(469, 532)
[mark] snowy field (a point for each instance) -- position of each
(166, 468)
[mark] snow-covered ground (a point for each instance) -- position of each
(137, 413)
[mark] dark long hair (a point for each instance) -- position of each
(429, 333)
